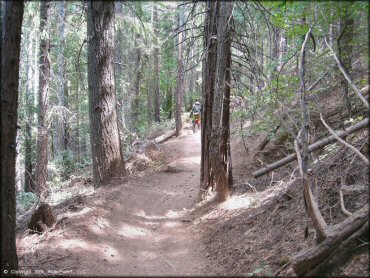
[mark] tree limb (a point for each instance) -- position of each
(347, 77)
(364, 158)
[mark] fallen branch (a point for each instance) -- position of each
(307, 261)
(165, 136)
(347, 77)
(316, 146)
(342, 206)
(266, 140)
(312, 206)
(364, 159)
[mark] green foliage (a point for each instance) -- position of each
(25, 200)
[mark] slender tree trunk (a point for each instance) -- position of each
(136, 90)
(60, 142)
(345, 54)
(105, 142)
(10, 56)
(180, 81)
(135, 109)
(118, 54)
(157, 116)
(78, 134)
(29, 100)
(41, 173)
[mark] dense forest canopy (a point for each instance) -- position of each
(89, 83)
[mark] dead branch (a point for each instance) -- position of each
(312, 206)
(364, 158)
(165, 136)
(342, 206)
(316, 146)
(308, 261)
(347, 77)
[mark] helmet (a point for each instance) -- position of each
(197, 103)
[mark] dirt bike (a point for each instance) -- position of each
(196, 122)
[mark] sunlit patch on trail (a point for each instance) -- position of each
(188, 161)
(237, 202)
(171, 224)
(106, 251)
(100, 224)
(131, 231)
(142, 213)
(173, 214)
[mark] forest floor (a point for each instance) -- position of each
(150, 223)
(134, 225)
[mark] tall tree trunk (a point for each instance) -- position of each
(345, 53)
(209, 68)
(180, 81)
(41, 173)
(216, 158)
(220, 145)
(136, 97)
(157, 116)
(78, 132)
(118, 56)
(105, 142)
(60, 142)
(135, 109)
(29, 100)
(10, 55)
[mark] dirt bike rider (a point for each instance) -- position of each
(195, 112)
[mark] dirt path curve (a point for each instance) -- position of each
(139, 226)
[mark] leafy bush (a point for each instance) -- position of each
(25, 200)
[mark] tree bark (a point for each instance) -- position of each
(180, 80)
(216, 158)
(10, 57)
(209, 68)
(220, 145)
(61, 136)
(41, 173)
(137, 71)
(157, 116)
(28, 140)
(345, 53)
(105, 142)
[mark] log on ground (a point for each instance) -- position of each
(307, 260)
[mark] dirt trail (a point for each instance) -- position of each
(137, 225)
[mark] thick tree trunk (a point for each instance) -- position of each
(41, 173)
(209, 68)
(180, 81)
(220, 145)
(216, 158)
(157, 116)
(10, 56)
(105, 143)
